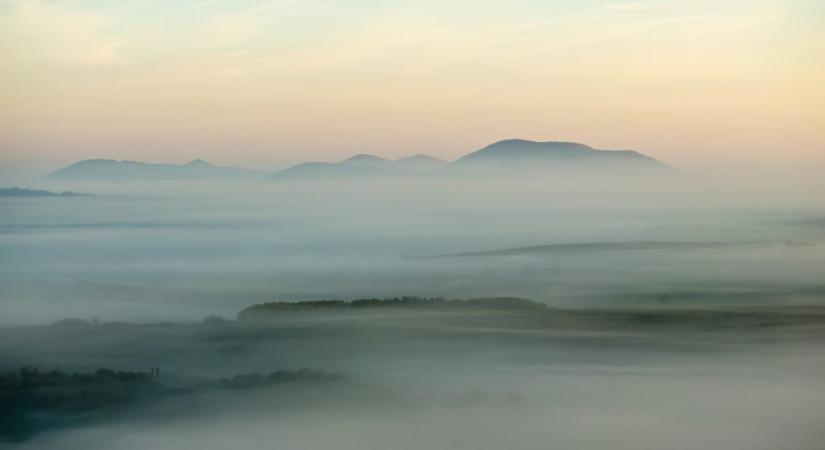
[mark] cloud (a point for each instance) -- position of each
(33, 33)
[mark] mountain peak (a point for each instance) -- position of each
(544, 145)
(523, 155)
(523, 151)
(111, 169)
(363, 158)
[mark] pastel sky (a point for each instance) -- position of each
(697, 83)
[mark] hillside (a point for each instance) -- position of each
(523, 155)
(513, 157)
(504, 158)
(115, 170)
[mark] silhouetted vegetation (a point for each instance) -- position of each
(33, 389)
(418, 303)
(31, 399)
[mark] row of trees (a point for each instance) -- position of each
(32, 400)
(28, 377)
(31, 390)
(494, 303)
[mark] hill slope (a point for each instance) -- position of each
(362, 165)
(503, 158)
(114, 170)
(513, 157)
(522, 155)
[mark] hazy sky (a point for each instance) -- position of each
(696, 83)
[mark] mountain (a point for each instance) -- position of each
(365, 160)
(504, 158)
(518, 155)
(361, 165)
(114, 170)
(512, 157)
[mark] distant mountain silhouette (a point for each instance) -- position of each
(366, 160)
(522, 155)
(114, 170)
(504, 158)
(513, 157)
(362, 165)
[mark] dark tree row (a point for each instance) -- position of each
(494, 303)
(31, 399)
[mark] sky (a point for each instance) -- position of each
(701, 85)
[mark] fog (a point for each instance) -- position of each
(640, 414)
(170, 251)
(453, 381)
(683, 313)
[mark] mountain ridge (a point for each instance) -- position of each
(524, 154)
(506, 157)
(128, 170)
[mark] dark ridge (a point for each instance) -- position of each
(418, 303)
(363, 158)
(115, 170)
(33, 400)
(521, 155)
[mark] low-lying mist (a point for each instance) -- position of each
(738, 379)
(170, 251)
(679, 315)
(601, 411)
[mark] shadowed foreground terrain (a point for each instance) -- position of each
(468, 370)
